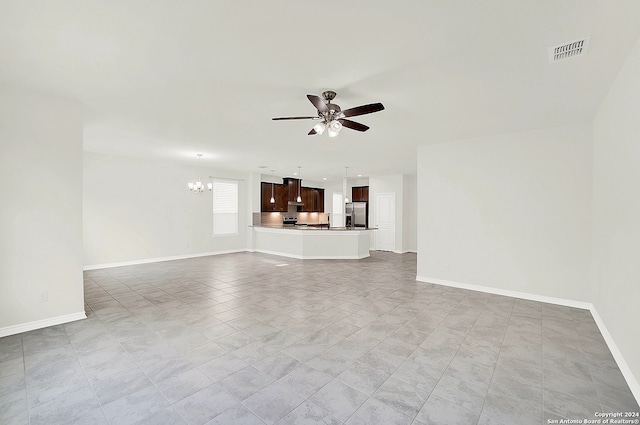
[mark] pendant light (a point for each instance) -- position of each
(299, 199)
(198, 187)
(272, 200)
(346, 198)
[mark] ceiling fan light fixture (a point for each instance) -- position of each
(319, 128)
(332, 116)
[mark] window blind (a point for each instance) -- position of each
(225, 207)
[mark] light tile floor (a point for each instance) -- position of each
(257, 339)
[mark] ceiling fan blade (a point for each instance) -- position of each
(295, 118)
(353, 125)
(318, 103)
(362, 110)
(312, 132)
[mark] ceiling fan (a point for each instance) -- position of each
(332, 117)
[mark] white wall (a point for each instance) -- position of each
(410, 213)
(142, 209)
(41, 211)
(509, 211)
(616, 211)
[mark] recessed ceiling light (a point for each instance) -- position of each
(359, 175)
(324, 178)
(295, 174)
(263, 166)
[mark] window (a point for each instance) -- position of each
(225, 207)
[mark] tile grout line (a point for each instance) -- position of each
(24, 370)
(134, 362)
(95, 395)
(496, 364)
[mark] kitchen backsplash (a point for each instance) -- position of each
(275, 218)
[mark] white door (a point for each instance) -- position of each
(385, 210)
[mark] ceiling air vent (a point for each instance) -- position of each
(569, 50)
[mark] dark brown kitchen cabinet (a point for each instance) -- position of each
(318, 200)
(293, 187)
(312, 198)
(265, 196)
(307, 199)
(280, 194)
(360, 194)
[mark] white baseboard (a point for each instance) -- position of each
(507, 293)
(39, 324)
(158, 259)
(634, 386)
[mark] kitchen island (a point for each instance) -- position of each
(310, 242)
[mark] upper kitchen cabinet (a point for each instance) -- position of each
(307, 199)
(282, 197)
(293, 188)
(360, 194)
(280, 194)
(265, 196)
(318, 200)
(312, 199)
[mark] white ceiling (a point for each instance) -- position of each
(169, 79)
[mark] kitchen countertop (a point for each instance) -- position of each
(315, 227)
(312, 242)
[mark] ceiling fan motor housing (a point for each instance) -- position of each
(333, 109)
(329, 95)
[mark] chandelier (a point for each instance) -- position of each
(198, 186)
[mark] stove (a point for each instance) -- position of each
(291, 221)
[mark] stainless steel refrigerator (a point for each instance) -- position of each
(356, 214)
